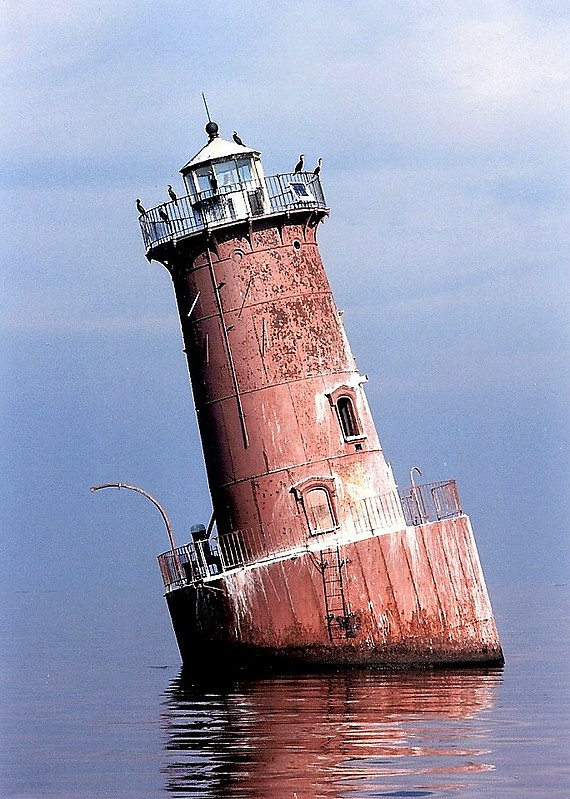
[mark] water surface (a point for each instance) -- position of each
(94, 705)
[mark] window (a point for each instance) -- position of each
(347, 417)
(319, 511)
(343, 400)
(203, 177)
(226, 173)
(244, 169)
(316, 499)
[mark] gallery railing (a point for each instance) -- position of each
(187, 215)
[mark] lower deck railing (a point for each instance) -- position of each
(203, 558)
(430, 502)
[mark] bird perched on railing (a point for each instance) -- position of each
(300, 164)
(172, 193)
(140, 209)
(237, 139)
(317, 169)
(163, 215)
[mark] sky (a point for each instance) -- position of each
(444, 133)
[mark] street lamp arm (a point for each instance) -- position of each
(154, 501)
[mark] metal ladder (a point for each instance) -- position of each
(331, 568)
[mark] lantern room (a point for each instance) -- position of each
(225, 180)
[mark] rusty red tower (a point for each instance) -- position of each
(312, 554)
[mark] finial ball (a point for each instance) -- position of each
(212, 130)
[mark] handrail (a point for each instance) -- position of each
(430, 502)
(189, 215)
(202, 559)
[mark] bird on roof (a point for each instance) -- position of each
(163, 215)
(140, 209)
(213, 181)
(237, 139)
(300, 164)
(172, 193)
(317, 169)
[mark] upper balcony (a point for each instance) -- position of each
(220, 206)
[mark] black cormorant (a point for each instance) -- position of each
(163, 215)
(300, 163)
(317, 169)
(140, 209)
(237, 139)
(172, 193)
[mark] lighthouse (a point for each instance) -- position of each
(312, 555)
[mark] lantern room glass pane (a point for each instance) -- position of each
(227, 173)
(244, 169)
(319, 511)
(203, 178)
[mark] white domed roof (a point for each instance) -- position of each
(217, 149)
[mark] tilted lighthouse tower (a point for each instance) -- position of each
(315, 556)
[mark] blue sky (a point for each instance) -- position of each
(444, 131)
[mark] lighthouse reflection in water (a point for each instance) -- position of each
(353, 734)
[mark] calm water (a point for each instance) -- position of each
(93, 705)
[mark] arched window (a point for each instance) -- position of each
(319, 511)
(316, 498)
(347, 417)
(343, 401)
